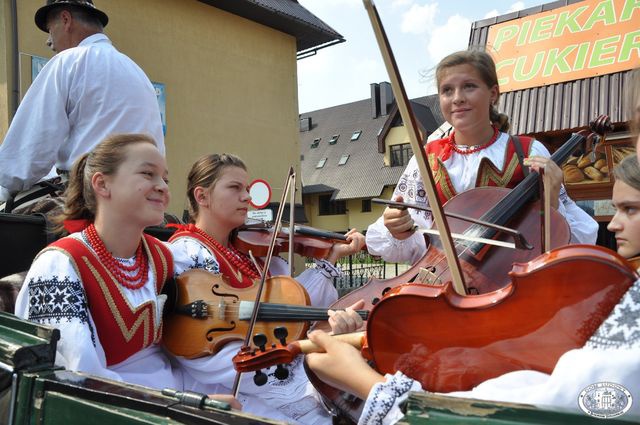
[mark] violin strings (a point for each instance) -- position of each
(277, 311)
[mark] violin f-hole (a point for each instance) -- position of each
(210, 333)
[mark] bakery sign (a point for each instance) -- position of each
(582, 40)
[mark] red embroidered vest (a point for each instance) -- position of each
(123, 330)
(234, 276)
(488, 173)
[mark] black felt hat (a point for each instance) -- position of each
(41, 14)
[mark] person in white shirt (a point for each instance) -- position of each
(85, 93)
(468, 90)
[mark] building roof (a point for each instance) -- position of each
(288, 16)
(561, 106)
(364, 175)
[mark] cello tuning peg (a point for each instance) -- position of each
(260, 341)
(260, 378)
(281, 372)
(281, 333)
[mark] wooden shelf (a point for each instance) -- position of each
(590, 190)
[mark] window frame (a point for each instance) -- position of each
(328, 207)
(399, 155)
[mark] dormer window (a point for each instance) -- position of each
(343, 160)
(334, 139)
(356, 135)
(321, 163)
(315, 143)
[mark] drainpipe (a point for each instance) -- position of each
(14, 97)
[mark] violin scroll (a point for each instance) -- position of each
(252, 360)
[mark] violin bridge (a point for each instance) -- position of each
(221, 309)
(428, 276)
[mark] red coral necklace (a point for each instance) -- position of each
(119, 270)
(235, 257)
(476, 148)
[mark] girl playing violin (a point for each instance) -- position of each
(218, 196)
(478, 153)
(98, 284)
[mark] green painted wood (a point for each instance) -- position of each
(61, 409)
(24, 398)
(25, 345)
(433, 409)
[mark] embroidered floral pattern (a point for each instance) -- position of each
(328, 269)
(300, 408)
(622, 328)
(209, 264)
(384, 397)
(53, 300)
(412, 190)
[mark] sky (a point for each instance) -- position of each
(421, 32)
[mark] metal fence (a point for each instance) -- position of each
(358, 268)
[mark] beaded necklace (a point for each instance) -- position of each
(235, 257)
(119, 270)
(475, 148)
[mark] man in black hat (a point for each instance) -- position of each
(83, 11)
(86, 92)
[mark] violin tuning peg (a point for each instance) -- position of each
(260, 378)
(281, 372)
(260, 341)
(281, 333)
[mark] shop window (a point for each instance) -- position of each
(328, 207)
(400, 154)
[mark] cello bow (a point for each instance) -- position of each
(414, 138)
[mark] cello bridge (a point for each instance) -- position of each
(427, 276)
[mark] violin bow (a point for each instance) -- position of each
(292, 205)
(421, 156)
(263, 277)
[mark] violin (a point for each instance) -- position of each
(208, 313)
(416, 328)
(307, 241)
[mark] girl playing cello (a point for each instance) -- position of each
(218, 197)
(478, 153)
(610, 355)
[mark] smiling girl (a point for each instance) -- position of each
(479, 152)
(100, 285)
